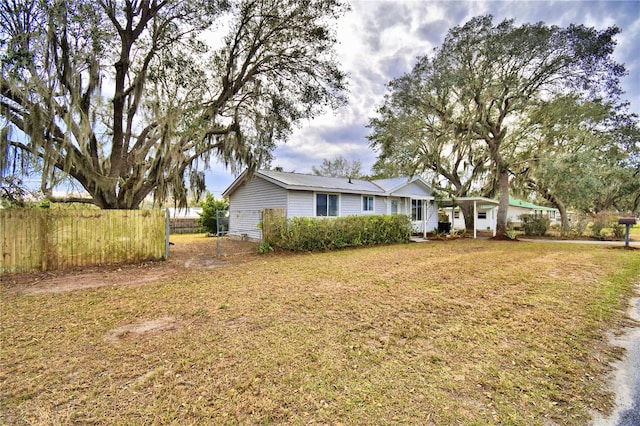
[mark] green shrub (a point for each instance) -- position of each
(604, 222)
(320, 234)
(534, 224)
(208, 218)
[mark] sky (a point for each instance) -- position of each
(380, 40)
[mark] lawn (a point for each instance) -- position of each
(444, 333)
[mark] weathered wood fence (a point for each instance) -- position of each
(38, 239)
(270, 219)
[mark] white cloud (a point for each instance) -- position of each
(380, 40)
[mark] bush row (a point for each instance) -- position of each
(313, 234)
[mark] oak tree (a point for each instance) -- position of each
(134, 97)
(478, 86)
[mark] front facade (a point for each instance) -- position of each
(302, 195)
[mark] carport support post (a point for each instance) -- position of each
(475, 219)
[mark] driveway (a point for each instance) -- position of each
(626, 377)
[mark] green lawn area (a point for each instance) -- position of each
(444, 333)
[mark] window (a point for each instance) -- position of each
(394, 206)
(552, 214)
(416, 209)
(326, 204)
(482, 215)
(456, 214)
(367, 203)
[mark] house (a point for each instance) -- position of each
(487, 214)
(304, 195)
(519, 207)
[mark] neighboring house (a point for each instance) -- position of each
(488, 214)
(303, 195)
(519, 207)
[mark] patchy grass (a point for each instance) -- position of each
(460, 332)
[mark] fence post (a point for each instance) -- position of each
(44, 218)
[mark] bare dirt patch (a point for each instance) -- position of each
(144, 327)
(188, 252)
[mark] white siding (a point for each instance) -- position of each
(350, 205)
(300, 204)
(414, 190)
(246, 203)
(513, 213)
(380, 205)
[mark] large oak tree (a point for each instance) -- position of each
(475, 90)
(134, 97)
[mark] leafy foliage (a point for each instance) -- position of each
(313, 234)
(339, 167)
(460, 112)
(537, 225)
(128, 99)
(210, 207)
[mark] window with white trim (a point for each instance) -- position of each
(367, 203)
(482, 215)
(327, 204)
(416, 210)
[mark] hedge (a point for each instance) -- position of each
(320, 234)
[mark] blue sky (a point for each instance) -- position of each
(379, 40)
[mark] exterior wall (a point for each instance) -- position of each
(489, 222)
(301, 204)
(246, 204)
(513, 214)
(350, 205)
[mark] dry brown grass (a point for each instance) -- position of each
(462, 332)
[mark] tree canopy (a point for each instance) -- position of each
(339, 167)
(463, 109)
(129, 98)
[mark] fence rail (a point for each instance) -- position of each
(36, 239)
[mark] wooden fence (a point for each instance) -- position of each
(269, 221)
(38, 239)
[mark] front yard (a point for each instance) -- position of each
(443, 333)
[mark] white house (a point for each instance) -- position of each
(304, 195)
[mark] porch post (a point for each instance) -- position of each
(425, 210)
(475, 219)
(453, 217)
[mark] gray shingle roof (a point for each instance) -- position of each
(314, 182)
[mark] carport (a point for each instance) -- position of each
(455, 202)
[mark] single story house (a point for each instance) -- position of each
(487, 214)
(305, 195)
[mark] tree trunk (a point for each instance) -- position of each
(557, 203)
(503, 185)
(467, 211)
